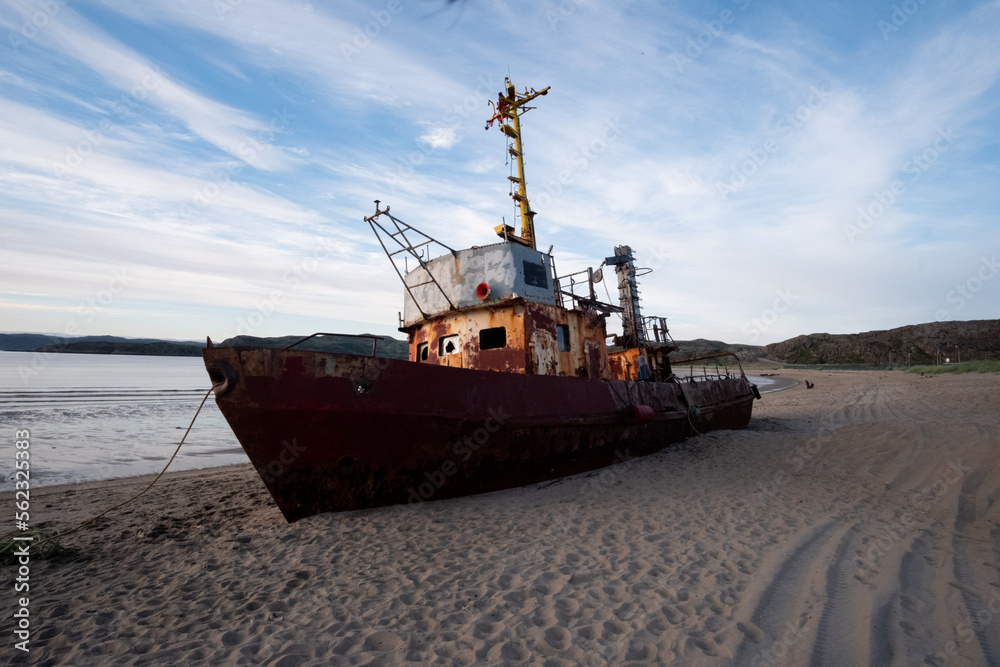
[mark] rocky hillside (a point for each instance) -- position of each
(158, 348)
(26, 342)
(700, 347)
(916, 344)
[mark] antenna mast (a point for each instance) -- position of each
(509, 107)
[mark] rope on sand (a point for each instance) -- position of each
(50, 536)
(47, 544)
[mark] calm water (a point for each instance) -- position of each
(96, 416)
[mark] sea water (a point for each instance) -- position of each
(99, 416)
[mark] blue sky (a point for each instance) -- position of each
(203, 168)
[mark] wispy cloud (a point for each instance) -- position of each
(213, 147)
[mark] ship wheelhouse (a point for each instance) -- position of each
(498, 308)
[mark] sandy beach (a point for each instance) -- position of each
(854, 523)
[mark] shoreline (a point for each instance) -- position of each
(852, 522)
(128, 480)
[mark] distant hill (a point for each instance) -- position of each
(26, 342)
(917, 344)
(387, 346)
(700, 347)
(158, 348)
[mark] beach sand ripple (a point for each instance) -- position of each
(855, 523)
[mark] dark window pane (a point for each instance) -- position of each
(491, 339)
(562, 337)
(534, 274)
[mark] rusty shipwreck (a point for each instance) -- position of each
(510, 379)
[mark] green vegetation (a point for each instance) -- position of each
(964, 367)
(761, 366)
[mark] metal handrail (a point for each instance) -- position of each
(374, 338)
(681, 362)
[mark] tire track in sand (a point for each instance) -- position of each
(835, 619)
(776, 606)
(912, 606)
(965, 579)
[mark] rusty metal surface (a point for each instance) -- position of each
(331, 432)
(624, 364)
(531, 340)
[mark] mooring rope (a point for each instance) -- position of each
(691, 407)
(53, 535)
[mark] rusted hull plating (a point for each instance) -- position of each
(331, 432)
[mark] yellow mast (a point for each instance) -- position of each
(509, 107)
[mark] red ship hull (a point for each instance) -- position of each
(332, 432)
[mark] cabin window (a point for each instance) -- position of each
(534, 274)
(562, 337)
(448, 345)
(422, 351)
(491, 339)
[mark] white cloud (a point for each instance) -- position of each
(394, 110)
(440, 137)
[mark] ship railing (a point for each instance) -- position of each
(706, 374)
(657, 326)
(373, 338)
(578, 289)
(568, 286)
(403, 239)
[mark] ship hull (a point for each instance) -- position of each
(332, 432)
